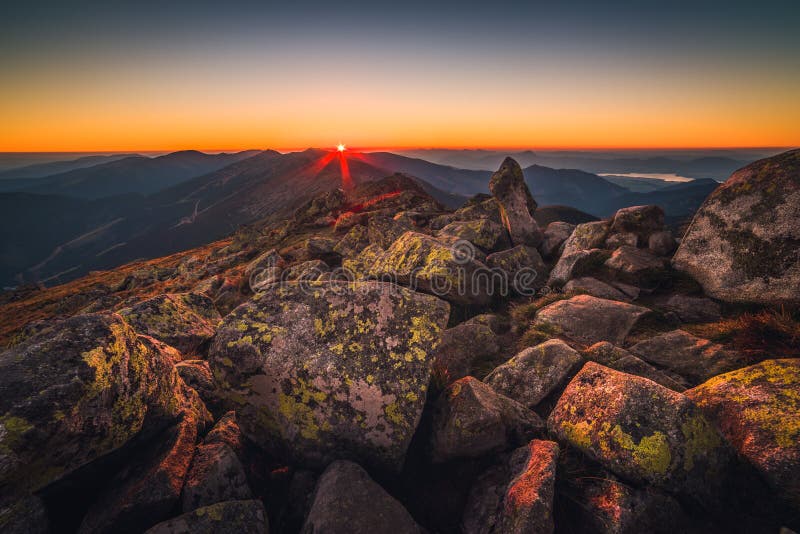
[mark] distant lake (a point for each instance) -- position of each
(668, 177)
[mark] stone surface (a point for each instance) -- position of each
(620, 359)
(434, 267)
(472, 420)
(692, 357)
(576, 264)
(353, 242)
(348, 501)
(197, 375)
(534, 373)
(743, 244)
(588, 319)
(460, 347)
(482, 233)
(383, 230)
(614, 240)
(596, 288)
(555, 235)
(265, 269)
(641, 431)
(517, 205)
(757, 409)
(640, 220)
(635, 264)
(325, 371)
(232, 517)
(693, 309)
(215, 475)
(661, 243)
(522, 267)
(517, 497)
(184, 321)
(586, 236)
(307, 270)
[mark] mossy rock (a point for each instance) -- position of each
(228, 517)
(743, 244)
(319, 371)
(483, 233)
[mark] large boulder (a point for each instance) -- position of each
(692, 357)
(184, 321)
(264, 270)
(76, 390)
(471, 420)
(638, 220)
(575, 264)
(383, 230)
(461, 347)
(516, 496)
(743, 244)
(231, 517)
(757, 409)
(587, 319)
(517, 205)
(522, 267)
(586, 236)
(427, 264)
(641, 431)
(348, 501)
(636, 265)
(693, 309)
(536, 372)
(620, 359)
(596, 288)
(555, 235)
(486, 234)
(322, 371)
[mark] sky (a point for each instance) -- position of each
(119, 76)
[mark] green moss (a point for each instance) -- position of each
(700, 439)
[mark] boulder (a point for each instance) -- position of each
(576, 264)
(482, 233)
(460, 347)
(586, 236)
(692, 357)
(522, 267)
(555, 235)
(596, 288)
(322, 371)
(215, 475)
(639, 220)
(516, 203)
(536, 372)
(184, 321)
(307, 270)
(614, 240)
(743, 244)
(620, 359)
(636, 265)
(497, 323)
(314, 248)
(480, 206)
(757, 409)
(76, 390)
(264, 270)
(517, 496)
(587, 319)
(26, 515)
(471, 420)
(641, 431)
(431, 266)
(232, 517)
(693, 309)
(383, 230)
(661, 243)
(353, 242)
(348, 501)
(197, 375)
(359, 266)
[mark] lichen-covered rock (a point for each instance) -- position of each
(587, 319)
(215, 475)
(471, 420)
(743, 244)
(596, 288)
(26, 515)
(586, 236)
(353, 242)
(757, 409)
(232, 517)
(265, 269)
(555, 235)
(522, 266)
(460, 347)
(640, 220)
(692, 357)
(307, 270)
(185, 320)
(76, 390)
(197, 375)
(483, 233)
(636, 265)
(615, 240)
(661, 243)
(384, 230)
(517, 205)
(314, 248)
(576, 264)
(693, 309)
(358, 267)
(322, 371)
(516, 496)
(480, 206)
(348, 501)
(431, 266)
(534, 373)
(620, 359)
(641, 431)
(497, 323)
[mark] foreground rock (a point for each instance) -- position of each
(461, 347)
(744, 242)
(695, 358)
(348, 501)
(232, 517)
(471, 420)
(77, 390)
(517, 497)
(522, 267)
(323, 371)
(432, 266)
(534, 373)
(757, 409)
(641, 431)
(517, 205)
(620, 359)
(588, 319)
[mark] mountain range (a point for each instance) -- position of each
(58, 227)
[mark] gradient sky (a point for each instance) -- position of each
(173, 75)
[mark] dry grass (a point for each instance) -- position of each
(759, 335)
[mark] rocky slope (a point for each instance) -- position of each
(376, 362)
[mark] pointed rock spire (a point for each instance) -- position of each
(507, 185)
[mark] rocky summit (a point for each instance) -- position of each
(375, 362)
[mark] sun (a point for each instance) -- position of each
(340, 147)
